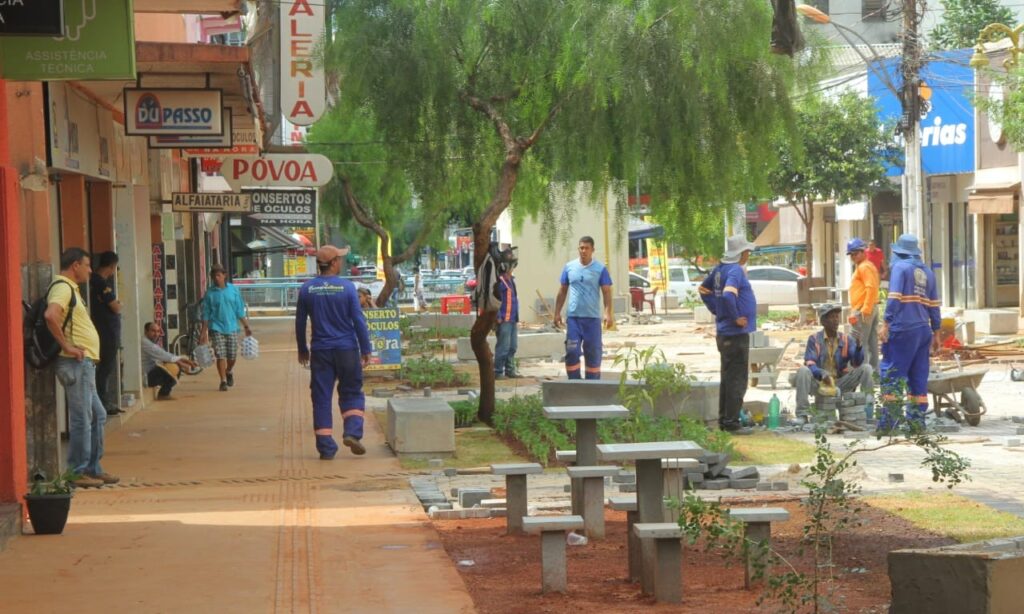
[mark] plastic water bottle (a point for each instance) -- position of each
(773, 412)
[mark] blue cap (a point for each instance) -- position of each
(906, 245)
(856, 244)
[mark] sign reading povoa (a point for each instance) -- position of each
(194, 202)
(173, 111)
(25, 17)
(98, 43)
(282, 208)
(278, 170)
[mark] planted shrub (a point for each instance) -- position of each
(427, 371)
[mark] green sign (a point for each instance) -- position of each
(98, 44)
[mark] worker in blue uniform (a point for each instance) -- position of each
(339, 349)
(585, 282)
(727, 294)
(907, 335)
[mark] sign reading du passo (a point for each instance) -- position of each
(173, 111)
(947, 129)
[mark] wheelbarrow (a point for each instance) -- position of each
(944, 386)
(764, 364)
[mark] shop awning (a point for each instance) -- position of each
(770, 235)
(645, 230)
(988, 203)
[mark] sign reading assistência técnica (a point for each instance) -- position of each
(226, 202)
(32, 17)
(98, 44)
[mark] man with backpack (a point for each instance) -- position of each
(76, 368)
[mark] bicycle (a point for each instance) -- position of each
(185, 343)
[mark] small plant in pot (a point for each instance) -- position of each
(49, 502)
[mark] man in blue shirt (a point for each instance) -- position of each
(340, 348)
(585, 281)
(727, 294)
(223, 309)
(907, 335)
(832, 359)
(508, 323)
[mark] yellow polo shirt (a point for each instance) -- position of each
(80, 330)
(864, 288)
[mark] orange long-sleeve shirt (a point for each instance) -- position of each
(864, 288)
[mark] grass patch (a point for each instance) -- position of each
(473, 448)
(779, 316)
(766, 448)
(950, 515)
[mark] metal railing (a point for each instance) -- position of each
(282, 292)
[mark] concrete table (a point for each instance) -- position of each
(586, 417)
(552, 531)
(515, 492)
(649, 486)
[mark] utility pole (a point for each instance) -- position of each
(910, 68)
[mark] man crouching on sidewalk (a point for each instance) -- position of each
(832, 359)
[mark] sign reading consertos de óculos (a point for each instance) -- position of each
(98, 44)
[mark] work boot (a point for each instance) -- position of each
(86, 482)
(105, 477)
(354, 444)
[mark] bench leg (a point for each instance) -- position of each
(649, 487)
(515, 503)
(593, 507)
(552, 562)
(756, 533)
(673, 488)
(576, 492)
(633, 544)
(668, 575)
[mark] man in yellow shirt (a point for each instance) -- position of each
(76, 368)
(863, 299)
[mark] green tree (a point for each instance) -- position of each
(502, 98)
(963, 20)
(841, 154)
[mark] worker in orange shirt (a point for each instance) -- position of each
(863, 300)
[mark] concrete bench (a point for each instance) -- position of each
(674, 471)
(515, 491)
(757, 529)
(628, 505)
(666, 581)
(552, 531)
(592, 478)
(423, 427)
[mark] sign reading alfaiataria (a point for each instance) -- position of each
(226, 202)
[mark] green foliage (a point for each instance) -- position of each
(963, 20)
(522, 418)
(61, 485)
(1007, 109)
(465, 411)
(428, 371)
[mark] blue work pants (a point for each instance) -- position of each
(583, 337)
(905, 357)
(343, 368)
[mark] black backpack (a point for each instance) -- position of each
(41, 348)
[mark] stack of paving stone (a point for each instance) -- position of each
(851, 408)
(429, 494)
(713, 473)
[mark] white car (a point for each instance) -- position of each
(774, 285)
(683, 281)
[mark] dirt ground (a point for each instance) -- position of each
(505, 575)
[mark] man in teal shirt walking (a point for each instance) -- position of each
(223, 309)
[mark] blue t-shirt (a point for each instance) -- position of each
(222, 308)
(338, 323)
(585, 284)
(727, 294)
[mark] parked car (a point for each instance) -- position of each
(683, 281)
(638, 281)
(774, 285)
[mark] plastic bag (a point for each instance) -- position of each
(250, 348)
(204, 355)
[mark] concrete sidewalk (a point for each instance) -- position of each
(224, 506)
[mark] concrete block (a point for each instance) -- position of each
(993, 321)
(468, 497)
(460, 514)
(895, 477)
(759, 514)
(1020, 430)
(716, 484)
(624, 477)
(764, 486)
(717, 469)
(694, 478)
(667, 301)
(567, 488)
(382, 393)
(421, 427)
(531, 345)
(1012, 442)
(982, 577)
(743, 484)
(701, 315)
(746, 472)
(627, 487)
(780, 485)
(1017, 419)
(565, 456)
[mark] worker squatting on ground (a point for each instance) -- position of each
(911, 317)
(339, 349)
(727, 294)
(831, 359)
(581, 280)
(864, 300)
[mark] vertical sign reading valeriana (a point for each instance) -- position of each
(303, 87)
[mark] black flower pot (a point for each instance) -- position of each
(48, 513)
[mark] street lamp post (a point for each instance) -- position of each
(913, 176)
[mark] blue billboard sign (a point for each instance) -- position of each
(947, 128)
(386, 338)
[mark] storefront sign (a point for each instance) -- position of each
(386, 339)
(159, 286)
(278, 170)
(179, 141)
(303, 87)
(243, 143)
(173, 111)
(282, 208)
(229, 202)
(947, 128)
(42, 17)
(98, 43)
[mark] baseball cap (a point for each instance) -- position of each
(327, 253)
